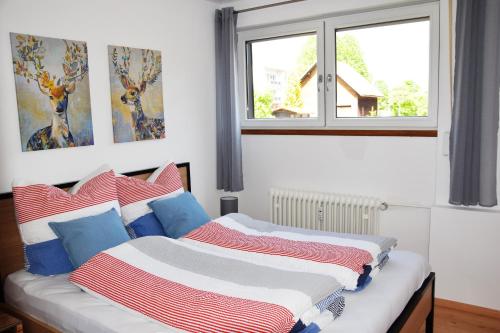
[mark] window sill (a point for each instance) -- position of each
(342, 132)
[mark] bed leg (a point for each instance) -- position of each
(429, 321)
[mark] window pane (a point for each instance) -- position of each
(383, 70)
(282, 78)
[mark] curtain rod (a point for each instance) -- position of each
(267, 6)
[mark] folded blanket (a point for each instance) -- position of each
(351, 259)
(186, 288)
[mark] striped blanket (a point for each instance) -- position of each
(188, 289)
(351, 259)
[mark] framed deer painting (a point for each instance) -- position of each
(136, 94)
(52, 88)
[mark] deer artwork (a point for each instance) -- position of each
(29, 64)
(143, 127)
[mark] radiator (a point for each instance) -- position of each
(326, 211)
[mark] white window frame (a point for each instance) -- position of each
(430, 10)
(326, 60)
(276, 32)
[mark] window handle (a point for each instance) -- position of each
(329, 79)
(320, 82)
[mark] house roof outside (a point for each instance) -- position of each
(284, 112)
(308, 75)
(352, 78)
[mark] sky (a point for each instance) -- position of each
(395, 53)
(277, 53)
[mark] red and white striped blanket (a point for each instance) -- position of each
(187, 289)
(348, 260)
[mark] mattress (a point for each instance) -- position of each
(59, 303)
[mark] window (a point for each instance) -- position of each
(280, 78)
(375, 69)
(374, 76)
(279, 75)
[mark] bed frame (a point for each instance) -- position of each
(419, 310)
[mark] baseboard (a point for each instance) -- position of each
(479, 310)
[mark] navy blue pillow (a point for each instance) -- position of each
(85, 237)
(179, 215)
(36, 258)
(147, 225)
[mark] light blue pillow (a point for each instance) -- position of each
(85, 237)
(179, 215)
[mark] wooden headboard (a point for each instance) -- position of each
(11, 246)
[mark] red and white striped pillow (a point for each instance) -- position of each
(134, 194)
(38, 204)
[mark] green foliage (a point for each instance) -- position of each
(307, 56)
(407, 100)
(383, 102)
(262, 104)
(293, 99)
(349, 52)
(306, 59)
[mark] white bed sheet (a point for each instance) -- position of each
(374, 309)
(57, 302)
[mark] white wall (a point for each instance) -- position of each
(464, 252)
(182, 30)
(412, 174)
(398, 170)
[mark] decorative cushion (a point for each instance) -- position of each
(47, 258)
(38, 204)
(134, 195)
(147, 225)
(179, 215)
(85, 237)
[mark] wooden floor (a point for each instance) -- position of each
(455, 321)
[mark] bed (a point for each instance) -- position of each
(53, 304)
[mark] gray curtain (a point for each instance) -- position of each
(229, 168)
(474, 130)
